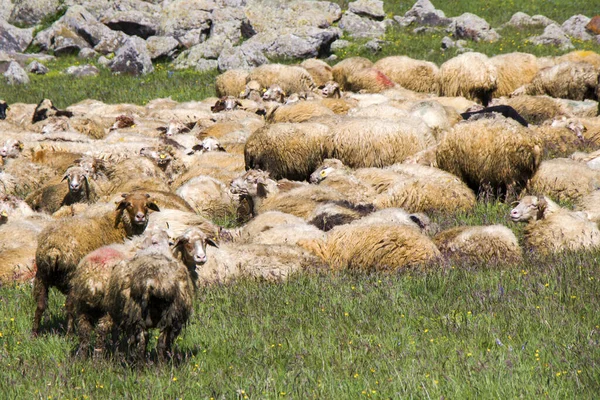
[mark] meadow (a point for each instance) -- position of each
(455, 330)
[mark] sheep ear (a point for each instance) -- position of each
(211, 242)
(123, 195)
(151, 205)
(65, 177)
(122, 205)
(261, 189)
(417, 221)
(220, 148)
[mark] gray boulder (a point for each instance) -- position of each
(86, 54)
(80, 71)
(6, 7)
(230, 24)
(203, 65)
(211, 49)
(521, 19)
(66, 41)
(15, 74)
(575, 27)
(132, 58)
(339, 44)
(359, 27)
(31, 12)
(246, 56)
(290, 14)
(423, 12)
(470, 26)
(101, 9)
(553, 36)
(307, 42)
(13, 39)
(368, 8)
(132, 22)
(189, 21)
(161, 46)
(36, 67)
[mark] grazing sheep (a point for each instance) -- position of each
(370, 247)
(154, 289)
(417, 75)
(471, 75)
(62, 244)
(46, 109)
(498, 152)
(319, 70)
(552, 229)
(514, 70)
(564, 180)
(482, 244)
(291, 78)
(231, 83)
(567, 80)
(343, 70)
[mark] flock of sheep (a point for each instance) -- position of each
(340, 166)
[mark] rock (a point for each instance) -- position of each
(66, 41)
(594, 25)
(374, 45)
(246, 56)
(206, 65)
(22, 59)
(132, 58)
(339, 44)
(575, 27)
(359, 27)
(16, 75)
(188, 21)
(447, 43)
(31, 12)
(161, 46)
(101, 9)
(132, 22)
(520, 19)
(110, 44)
(36, 67)
(368, 8)
(470, 26)
(554, 36)
(424, 13)
(287, 15)
(6, 7)
(87, 54)
(206, 50)
(80, 71)
(230, 24)
(307, 42)
(105, 62)
(13, 39)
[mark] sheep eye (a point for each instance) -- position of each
(323, 173)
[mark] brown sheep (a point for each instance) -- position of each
(471, 75)
(514, 70)
(343, 70)
(291, 78)
(62, 244)
(567, 80)
(231, 83)
(319, 70)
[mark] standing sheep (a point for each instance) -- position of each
(63, 244)
(343, 70)
(471, 75)
(416, 75)
(231, 83)
(514, 70)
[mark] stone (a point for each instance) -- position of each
(424, 13)
(470, 26)
(66, 41)
(553, 36)
(300, 43)
(80, 71)
(373, 45)
(31, 12)
(359, 27)
(246, 56)
(368, 8)
(339, 44)
(278, 15)
(211, 49)
(162, 46)
(13, 39)
(447, 43)
(110, 44)
(86, 54)
(16, 75)
(521, 19)
(594, 25)
(6, 7)
(132, 22)
(132, 58)
(101, 9)
(187, 20)
(105, 62)
(230, 24)
(206, 65)
(36, 67)
(575, 27)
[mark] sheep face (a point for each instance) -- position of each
(3, 108)
(192, 246)
(12, 148)
(527, 209)
(320, 174)
(137, 205)
(250, 183)
(77, 178)
(227, 103)
(331, 89)
(211, 144)
(274, 93)
(46, 109)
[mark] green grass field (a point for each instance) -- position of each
(454, 331)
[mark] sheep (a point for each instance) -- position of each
(62, 244)
(20, 177)
(298, 112)
(219, 165)
(369, 247)
(471, 75)
(231, 83)
(319, 70)
(368, 80)
(252, 91)
(46, 109)
(274, 93)
(586, 56)
(330, 90)
(155, 289)
(417, 75)
(346, 68)
(488, 112)
(334, 174)
(564, 180)
(135, 173)
(590, 204)
(437, 117)
(208, 197)
(291, 78)
(497, 152)
(3, 108)
(552, 229)
(567, 80)
(514, 70)
(328, 215)
(482, 244)
(536, 109)
(560, 140)
(12, 148)
(399, 216)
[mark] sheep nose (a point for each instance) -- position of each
(200, 259)
(140, 217)
(74, 186)
(3, 153)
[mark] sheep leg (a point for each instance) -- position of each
(165, 342)
(69, 306)
(105, 325)
(84, 327)
(40, 294)
(141, 341)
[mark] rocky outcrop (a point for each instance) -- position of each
(15, 74)
(553, 36)
(31, 12)
(575, 27)
(471, 27)
(13, 39)
(423, 12)
(132, 58)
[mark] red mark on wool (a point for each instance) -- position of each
(384, 80)
(104, 256)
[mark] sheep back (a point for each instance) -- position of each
(514, 70)
(417, 75)
(471, 75)
(291, 78)
(562, 231)
(231, 83)
(564, 180)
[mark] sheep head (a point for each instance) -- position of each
(208, 144)
(530, 208)
(226, 103)
(46, 109)
(331, 89)
(12, 148)
(329, 165)
(274, 93)
(135, 207)
(3, 108)
(253, 183)
(77, 178)
(191, 246)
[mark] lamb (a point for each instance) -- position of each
(567, 80)
(481, 244)
(231, 83)
(46, 109)
(514, 70)
(156, 290)
(62, 244)
(416, 75)
(497, 152)
(318, 69)
(471, 75)
(291, 78)
(564, 180)
(552, 229)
